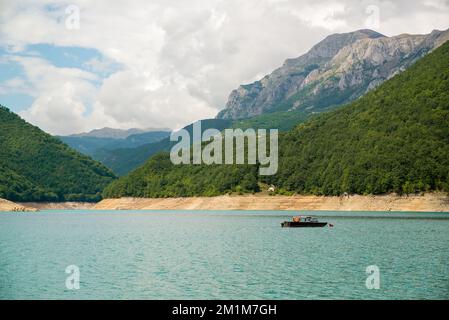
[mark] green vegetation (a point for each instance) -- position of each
(35, 166)
(394, 139)
(159, 178)
(124, 160)
(283, 121)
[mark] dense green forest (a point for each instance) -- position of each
(283, 120)
(394, 139)
(159, 178)
(35, 166)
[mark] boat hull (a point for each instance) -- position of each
(289, 224)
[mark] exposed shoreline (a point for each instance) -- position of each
(431, 202)
(6, 205)
(59, 205)
(9, 206)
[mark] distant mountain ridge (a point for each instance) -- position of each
(92, 145)
(116, 133)
(338, 70)
(124, 160)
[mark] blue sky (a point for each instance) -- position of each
(15, 101)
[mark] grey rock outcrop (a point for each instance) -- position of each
(336, 71)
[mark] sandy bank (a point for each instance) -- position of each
(59, 205)
(6, 205)
(433, 202)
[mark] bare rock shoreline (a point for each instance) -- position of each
(431, 202)
(9, 206)
(6, 205)
(60, 205)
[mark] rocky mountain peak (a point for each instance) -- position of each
(337, 70)
(332, 44)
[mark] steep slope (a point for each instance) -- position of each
(282, 120)
(336, 71)
(159, 178)
(394, 139)
(35, 166)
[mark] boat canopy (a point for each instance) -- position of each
(305, 219)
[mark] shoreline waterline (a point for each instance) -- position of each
(430, 202)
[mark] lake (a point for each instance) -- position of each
(222, 255)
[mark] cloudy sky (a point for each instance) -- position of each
(74, 66)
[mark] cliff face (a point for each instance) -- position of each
(336, 71)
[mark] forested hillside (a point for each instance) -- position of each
(394, 139)
(35, 166)
(159, 178)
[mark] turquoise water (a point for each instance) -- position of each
(222, 255)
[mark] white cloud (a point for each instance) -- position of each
(179, 59)
(15, 85)
(62, 96)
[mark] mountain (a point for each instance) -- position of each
(92, 145)
(394, 139)
(35, 166)
(116, 133)
(122, 160)
(338, 70)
